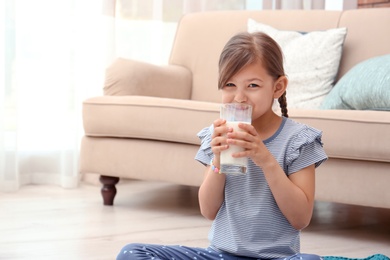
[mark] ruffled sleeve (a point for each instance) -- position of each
(306, 148)
(205, 154)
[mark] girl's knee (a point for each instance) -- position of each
(130, 251)
(305, 257)
(311, 257)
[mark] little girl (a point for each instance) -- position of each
(258, 215)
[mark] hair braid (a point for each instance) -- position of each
(283, 104)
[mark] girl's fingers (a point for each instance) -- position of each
(241, 143)
(248, 128)
(220, 128)
(218, 142)
(245, 136)
(219, 149)
(218, 122)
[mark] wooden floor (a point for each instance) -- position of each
(48, 222)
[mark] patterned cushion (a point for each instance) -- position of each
(365, 87)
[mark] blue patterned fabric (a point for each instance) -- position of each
(365, 87)
(373, 257)
(138, 251)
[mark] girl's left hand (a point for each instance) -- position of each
(250, 140)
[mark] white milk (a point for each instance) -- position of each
(226, 155)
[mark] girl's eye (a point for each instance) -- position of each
(229, 85)
(253, 85)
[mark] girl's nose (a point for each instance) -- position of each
(240, 97)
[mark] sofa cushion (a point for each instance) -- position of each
(365, 87)
(350, 134)
(179, 121)
(311, 62)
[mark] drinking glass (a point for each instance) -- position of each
(234, 113)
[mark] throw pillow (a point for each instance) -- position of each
(365, 87)
(311, 62)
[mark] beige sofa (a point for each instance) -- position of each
(144, 126)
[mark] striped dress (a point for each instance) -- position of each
(249, 222)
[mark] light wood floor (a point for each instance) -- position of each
(48, 222)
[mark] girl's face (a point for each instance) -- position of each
(252, 85)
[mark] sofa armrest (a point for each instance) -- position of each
(129, 77)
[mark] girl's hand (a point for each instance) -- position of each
(219, 136)
(250, 141)
(211, 192)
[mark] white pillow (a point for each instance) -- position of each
(311, 62)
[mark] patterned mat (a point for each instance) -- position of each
(373, 257)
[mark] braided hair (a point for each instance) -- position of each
(283, 104)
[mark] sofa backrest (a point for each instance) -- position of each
(368, 35)
(200, 38)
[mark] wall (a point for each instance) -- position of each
(373, 3)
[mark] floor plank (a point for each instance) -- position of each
(48, 222)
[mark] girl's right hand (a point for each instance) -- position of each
(218, 142)
(211, 192)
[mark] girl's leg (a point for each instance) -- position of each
(137, 251)
(304, 257)
(160, 252)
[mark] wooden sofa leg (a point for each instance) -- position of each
(108, 190)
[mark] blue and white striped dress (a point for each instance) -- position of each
(249, 222)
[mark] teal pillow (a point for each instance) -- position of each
(364, 87)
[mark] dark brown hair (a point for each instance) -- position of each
(246, 48)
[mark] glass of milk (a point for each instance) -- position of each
(234, 113)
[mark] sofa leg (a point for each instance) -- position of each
(108, 190)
